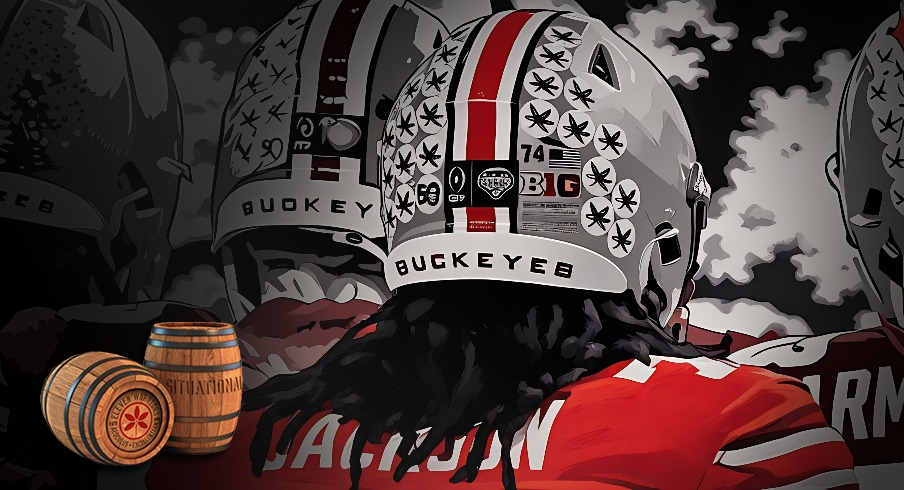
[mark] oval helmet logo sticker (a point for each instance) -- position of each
(457, 179)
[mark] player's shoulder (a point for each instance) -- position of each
(794, 351)
(672, 376)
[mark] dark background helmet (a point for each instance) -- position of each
(90, 140)
(868, 170)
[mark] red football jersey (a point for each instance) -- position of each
(858, 379)
(678, 423)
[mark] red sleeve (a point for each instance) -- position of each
(785, 443)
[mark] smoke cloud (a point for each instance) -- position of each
(778, 198)
(773, 42)
(652, 29)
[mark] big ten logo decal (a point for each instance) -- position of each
(327, 137)
(550, 184)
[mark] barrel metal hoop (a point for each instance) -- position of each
(201, 439)
(193, 369)
(212, 418)
(49, 382)
(97, 402)
(177, 332)
(69, 400)
(81, 412)
(192, 345)
(194, 450)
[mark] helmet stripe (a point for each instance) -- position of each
(494, 56)
(496, 59)
(333, 74)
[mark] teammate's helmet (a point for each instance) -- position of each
(90, 136)
(297, 148)
(868, 170)
(540, 147)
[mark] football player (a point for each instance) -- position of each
(543, 207)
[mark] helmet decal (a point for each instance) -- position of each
(299, 145)
(535, 142)
(870, 134)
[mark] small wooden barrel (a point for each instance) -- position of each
(201, 367)
(107, 408)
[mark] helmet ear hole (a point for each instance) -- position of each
(669, 248)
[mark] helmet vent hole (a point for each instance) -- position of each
(602, 66)
(93, 21)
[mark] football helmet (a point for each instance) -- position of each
(541, 147)
(868, 170)
(90, 135)
(298, 149)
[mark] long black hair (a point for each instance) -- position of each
(451, 355)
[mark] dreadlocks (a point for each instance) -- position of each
(457, 355)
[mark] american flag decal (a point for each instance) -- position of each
(564, 158)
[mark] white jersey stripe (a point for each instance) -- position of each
(778, 447)
(829, 479)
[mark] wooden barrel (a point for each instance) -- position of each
(107, 408)
(201, 367)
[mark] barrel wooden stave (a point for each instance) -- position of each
(83, 401)
(202, 371)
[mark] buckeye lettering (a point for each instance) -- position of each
(20, 200)
(285, 204)
(486, 260)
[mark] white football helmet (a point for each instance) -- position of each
(541, 147)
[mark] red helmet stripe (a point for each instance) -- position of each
(333, 75)
(492, 62)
